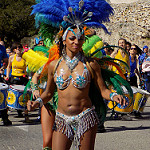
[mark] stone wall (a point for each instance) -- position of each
(130, 21)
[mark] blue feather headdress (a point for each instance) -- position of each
(64, 13)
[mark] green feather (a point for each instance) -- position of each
(90, 42)
(42, 49)
(47, 31)
(99, 49)
(55, 99)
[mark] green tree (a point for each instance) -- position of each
(15, 19)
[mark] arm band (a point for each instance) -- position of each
(112, 95)
(40, 101)
(34, 86)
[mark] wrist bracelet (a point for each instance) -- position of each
(128, 75)
(34, 86)
(112, 95)
(39, 99)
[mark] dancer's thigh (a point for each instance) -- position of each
(87, 141)
(60, 141)
(47, 121)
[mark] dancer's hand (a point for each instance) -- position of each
(31, 105)
(36, 94)
(119, 99)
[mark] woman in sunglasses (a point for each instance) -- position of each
(18, 65)
(18, 75)
(133, 66)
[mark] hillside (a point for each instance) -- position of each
(130, 21)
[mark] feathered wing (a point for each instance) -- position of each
(113, 81)
(41, 50)
(34, 60)
(53, 55)
(93, 42)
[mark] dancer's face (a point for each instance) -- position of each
(72, 43)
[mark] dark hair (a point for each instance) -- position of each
(123, 40)
(128, 43)
(61, 46)
(105, 43)
(139, 51)
(15, 45)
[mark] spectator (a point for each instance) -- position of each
(145, 82)
(120, 54)
(2, 43)
(133, 66)
(4, 58)
(128, 46)
(18, 76)
(106, 51)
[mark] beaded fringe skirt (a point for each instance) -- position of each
(75, 126)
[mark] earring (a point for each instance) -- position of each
(64, 49)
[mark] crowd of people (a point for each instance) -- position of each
(68, 109)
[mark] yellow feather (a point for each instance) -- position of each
(34, 60)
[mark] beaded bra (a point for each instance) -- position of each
(79, 82)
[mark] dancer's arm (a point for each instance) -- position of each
(101, 84)
(34, 85)
(48, 93)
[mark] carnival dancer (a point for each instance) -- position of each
(18, 75)
(72, 75)
(80, 106)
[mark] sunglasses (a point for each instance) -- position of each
(133, 48)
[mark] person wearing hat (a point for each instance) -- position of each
(144, 84)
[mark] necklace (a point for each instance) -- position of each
(72, 63)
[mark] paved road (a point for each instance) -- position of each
(120, 135)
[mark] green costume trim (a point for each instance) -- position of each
(47, 148)
(34, 86)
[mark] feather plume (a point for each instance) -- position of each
(90, 42)
(47, 31)
(52, 12)
(33, 60)
(53, 55)
(105, 64)
(42, 50)
(111, 78)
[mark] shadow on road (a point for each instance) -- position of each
(123, 128)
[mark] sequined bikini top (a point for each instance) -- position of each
(79, 82)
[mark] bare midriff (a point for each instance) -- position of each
(73, 101)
